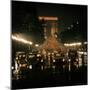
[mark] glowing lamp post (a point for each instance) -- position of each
(30, 44)
(22, 40)
(36, 45)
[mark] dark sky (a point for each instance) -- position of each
(67, 14)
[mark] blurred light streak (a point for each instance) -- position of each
(21, 40)
(72, 44)
(36, 45)
(47, 18)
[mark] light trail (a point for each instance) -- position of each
(21, 40)
(73, 44)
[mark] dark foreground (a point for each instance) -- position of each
(44, 76)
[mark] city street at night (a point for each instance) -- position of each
(60, 72)
(49, 45)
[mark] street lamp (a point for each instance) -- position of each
(36, 45)
(30, 44)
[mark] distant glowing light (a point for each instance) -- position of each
(12, 67)
(21, 40)
(85, 42)
(63, 59)
(72, 44)
(77, 60)
(23, 55)
(80, 52)
(42, 60)
(23, 65)
(80, 62)
(16, 58)
(85, 53)
(20, 56)
(16, 66)
(30, 67)
(69, 60)
(31, 56)
(30, 43)
(38, 55)
(48, 54)
(47, 18)
(54, 60)
(36, 45)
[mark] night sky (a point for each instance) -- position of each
(67, 14)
